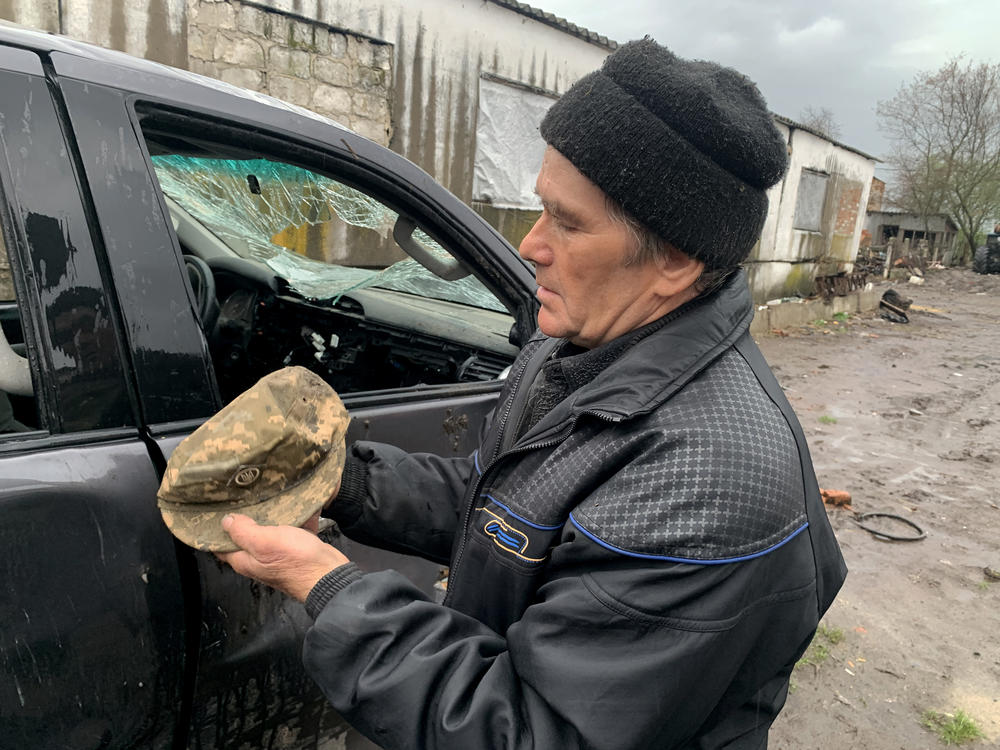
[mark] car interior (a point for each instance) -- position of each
(263, 243)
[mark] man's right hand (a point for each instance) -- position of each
(284, 557)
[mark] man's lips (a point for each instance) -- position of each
(544, 292)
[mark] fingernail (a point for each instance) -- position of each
(227, 521)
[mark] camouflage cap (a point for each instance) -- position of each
(275, 453)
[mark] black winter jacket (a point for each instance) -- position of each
(640, 569)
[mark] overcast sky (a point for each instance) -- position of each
(844, 55)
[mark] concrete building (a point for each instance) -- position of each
(815, 217)
(909, 229)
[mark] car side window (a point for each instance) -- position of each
(292, 266)
(60, 363)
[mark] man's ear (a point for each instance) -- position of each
(677, 273)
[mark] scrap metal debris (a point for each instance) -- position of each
(840, 284)
(894, 306)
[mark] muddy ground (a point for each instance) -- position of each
(907, 419)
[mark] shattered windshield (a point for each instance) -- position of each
(312, 231)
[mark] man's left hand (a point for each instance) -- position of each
(286, 558)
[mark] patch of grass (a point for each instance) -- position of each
(952, 729)
(819, 322)
(826, 419)
(984, 585)
(819, 650)
(833, 635)
(815, 655)
(841, 316)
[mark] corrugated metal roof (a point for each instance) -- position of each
(550, 19)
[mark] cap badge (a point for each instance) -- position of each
(246, 475)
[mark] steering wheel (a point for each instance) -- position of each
(203, 286)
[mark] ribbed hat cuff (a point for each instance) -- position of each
(654, 173)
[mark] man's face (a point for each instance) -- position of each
(587, 293)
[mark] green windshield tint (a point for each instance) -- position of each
(310, 230)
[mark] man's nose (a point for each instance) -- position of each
(532, 243)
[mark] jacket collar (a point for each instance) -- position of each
(649, 372)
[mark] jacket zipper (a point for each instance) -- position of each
(470, 499)
(613, 418)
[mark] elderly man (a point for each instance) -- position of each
(638, 549)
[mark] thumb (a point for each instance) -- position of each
(241, 529)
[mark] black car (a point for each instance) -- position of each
(171, 239)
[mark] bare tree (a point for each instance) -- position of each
(821, 120)
(945, 132)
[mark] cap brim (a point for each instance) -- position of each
(201, 526)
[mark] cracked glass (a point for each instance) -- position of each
(297, 222)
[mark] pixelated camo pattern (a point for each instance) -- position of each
(276, 453)
(711, 475)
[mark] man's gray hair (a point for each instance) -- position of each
(647, 245)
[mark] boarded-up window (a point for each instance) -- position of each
(509, 149)
(810, 200)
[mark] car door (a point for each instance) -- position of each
(91, 641)
(166, 161)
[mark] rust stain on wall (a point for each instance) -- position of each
(415, 146)
(429, 135)
(162, 45)
(7, 10)
(116, 29)
(400, 136)
(464, 139)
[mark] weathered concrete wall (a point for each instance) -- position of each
(784, 315)
(787, 259)
(344, 76)
(310, 62)
(403, 72)
(154, 29)
(441, 48)
(512, 223)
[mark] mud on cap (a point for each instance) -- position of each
(275, 453)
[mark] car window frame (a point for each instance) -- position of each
(370, 178)
(50, 391)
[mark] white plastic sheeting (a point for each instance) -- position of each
(509, 148)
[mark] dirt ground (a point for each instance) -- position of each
(905, 418)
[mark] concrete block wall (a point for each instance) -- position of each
(344, 76)
(783, 315)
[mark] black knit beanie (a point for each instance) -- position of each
(686, 147)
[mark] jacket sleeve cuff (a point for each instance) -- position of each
(329, 585)
(350, 501)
